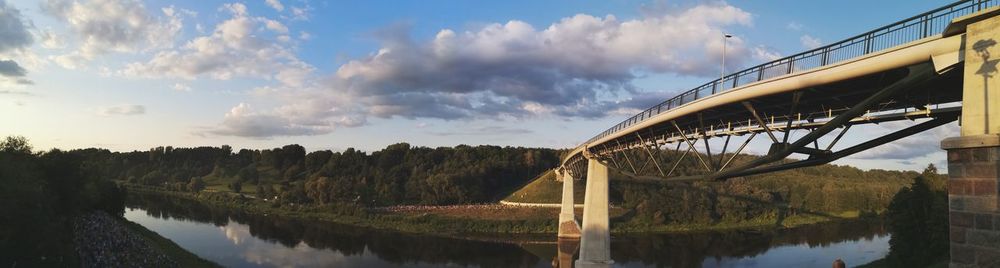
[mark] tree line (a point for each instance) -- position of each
(40, 194)
(398, 174)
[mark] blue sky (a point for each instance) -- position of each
(135, 74)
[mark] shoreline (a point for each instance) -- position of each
(103, 240)
(438, 224)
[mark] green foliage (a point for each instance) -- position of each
(398, 174)
(196, 184)
(918, 221)
(236, 186)
(39, 196)
(15, 145)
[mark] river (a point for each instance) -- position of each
(236, 239)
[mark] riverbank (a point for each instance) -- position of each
(102, 241)
(462, 220)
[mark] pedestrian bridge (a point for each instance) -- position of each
(930, 69)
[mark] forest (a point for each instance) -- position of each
(396, 175)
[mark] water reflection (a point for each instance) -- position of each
(242, 240)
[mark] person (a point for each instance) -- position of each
(839, 264)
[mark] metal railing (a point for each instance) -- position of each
(914, 28)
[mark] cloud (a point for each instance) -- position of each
(765, 54)
(485, 131)
(564, 66)
(10, 68)
(794, 26)
(121, 110)
(243, 122)
(15, 92)
(14, 37)
(104, 26)
(181, 87)
(810, 42)
(579, 67)
(236, 48)
(276, 5)
(13, 29)
(301, 13)
(51, 40)
(910, 148)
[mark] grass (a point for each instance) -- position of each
(545, 189)
(183, 257)
(464, 219)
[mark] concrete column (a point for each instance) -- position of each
(595, 243)
(567, 247)
(974, 158)
(568, 228)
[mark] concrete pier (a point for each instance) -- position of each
(568, 228)
(974, 158)
(595, 244)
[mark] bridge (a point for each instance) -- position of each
(930, 69)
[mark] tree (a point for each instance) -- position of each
(196, 184)
(236, 186)
(15, 144)
(248, 173)
(918, 221)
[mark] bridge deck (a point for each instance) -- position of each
(842, 74)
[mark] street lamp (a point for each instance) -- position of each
(722, 75)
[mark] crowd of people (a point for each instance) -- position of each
(103, 241)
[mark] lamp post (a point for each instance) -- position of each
(722, 75)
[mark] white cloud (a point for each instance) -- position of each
(795, 26)
(128, 109)
(911, 147)
(51, 40)
(301, 13)
(276, 26)
(182, 87)
(103, 26)
(234, 49)
(765, 54)
(243, 122)
(580, 66)
(810, 42)
(564, 66)
(276, 5)
(305, 35)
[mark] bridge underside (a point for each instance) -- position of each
(910, 93)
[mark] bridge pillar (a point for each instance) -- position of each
(595, 243)
(974, 157)
(568, 228)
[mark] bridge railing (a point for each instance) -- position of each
(914, 28)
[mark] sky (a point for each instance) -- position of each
(136, 74)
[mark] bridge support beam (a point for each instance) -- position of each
(974, 158)
(595, 244)
(568, 228)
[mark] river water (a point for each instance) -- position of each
(237, 239)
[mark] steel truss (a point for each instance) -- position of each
(721, 165)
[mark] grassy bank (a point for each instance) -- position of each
(183, 257)
(459, 220)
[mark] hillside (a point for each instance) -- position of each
(544, 189)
